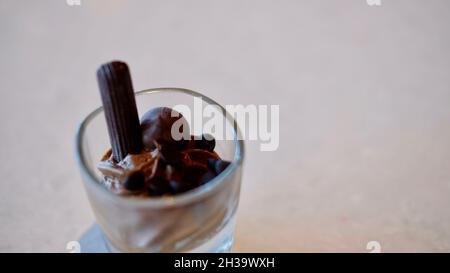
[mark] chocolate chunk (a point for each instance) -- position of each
(193, 173)
(135, 181)
(182, 144)
(207, 142)
(217, 165)
(157, 124)
(158, 186)
(179, 186)
(172, 173)
(206, 177)
(120, 109)
(221, 165)
(171, 155)
(162, 165)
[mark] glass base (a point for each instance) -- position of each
(94, 241)
(221, 242)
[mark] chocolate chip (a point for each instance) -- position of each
(162, 165)
(171, 155)
(158, 186)
(221, 165)
(206, 177)
(179, 186)
(207, 142)
(193, 173)
(212, 163)
(217, 165)
(135, 181)
(182, 144)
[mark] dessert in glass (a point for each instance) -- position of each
(152, 191)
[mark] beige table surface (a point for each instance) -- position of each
(364, 95)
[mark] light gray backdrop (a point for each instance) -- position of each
(364, 95)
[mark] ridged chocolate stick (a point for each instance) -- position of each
(120, 109)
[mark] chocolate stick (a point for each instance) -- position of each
(120, 109)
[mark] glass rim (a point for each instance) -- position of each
(161, 201)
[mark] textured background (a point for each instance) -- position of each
(364, 112)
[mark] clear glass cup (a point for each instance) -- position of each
(200, 220)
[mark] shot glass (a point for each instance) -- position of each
(200, 220)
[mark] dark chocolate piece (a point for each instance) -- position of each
(206, 177)
(192, 173)
(158, 186)
(120, 109)
(135, 181)
(207, 142)
(171, 155)
(217, 165)
(157, 125)
(179, 186)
